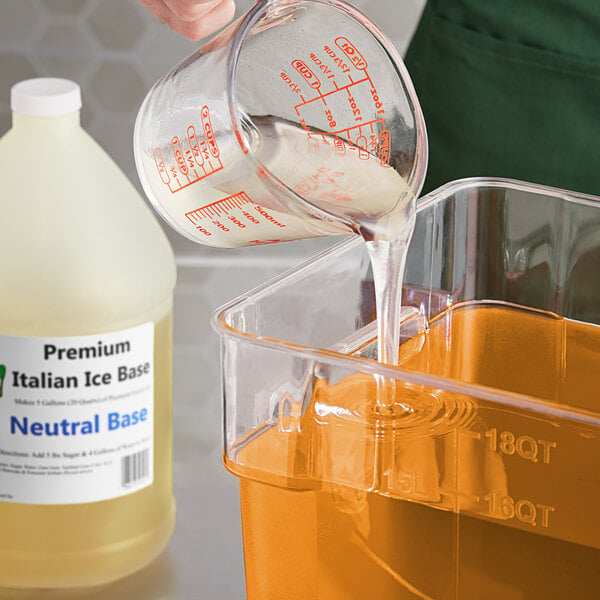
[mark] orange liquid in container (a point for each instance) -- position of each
(486, 499)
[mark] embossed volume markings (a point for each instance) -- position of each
(195, 156)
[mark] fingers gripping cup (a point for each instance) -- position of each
(299, 120)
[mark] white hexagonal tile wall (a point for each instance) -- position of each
(19, 22)
(118, 87)
(64, 39)
(64, 7)
(117, 25)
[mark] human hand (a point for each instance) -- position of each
(193, 19)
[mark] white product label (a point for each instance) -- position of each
(76, 416)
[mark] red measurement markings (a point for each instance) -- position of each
(361, 144)
(336, 59)
(218, 215)
(313, 145)
(384, 150)
(191, 158)
(354, 56)
(359, 134)
(208, 132)
(178, 154)
(323, 97)
(325, 70)
(220, 207)
(309, 76)
(315, 182)
(376, 101)
(161, 167)
(354, 107)
(288, 80)
(368, 140)
(268, 216)
(195, 145)
(180, 176)
(325, 185)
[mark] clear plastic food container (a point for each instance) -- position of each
(484, 479)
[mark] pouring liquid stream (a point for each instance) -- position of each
(371, 197)
(388, 259)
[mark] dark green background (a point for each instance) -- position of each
(511, 88)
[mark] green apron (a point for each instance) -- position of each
(510, 88)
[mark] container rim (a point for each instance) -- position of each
(219, 318)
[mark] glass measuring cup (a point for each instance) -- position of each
(299, 120)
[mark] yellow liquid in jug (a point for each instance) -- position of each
(485, 499)
(74, 545)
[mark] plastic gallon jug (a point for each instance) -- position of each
(85, 355)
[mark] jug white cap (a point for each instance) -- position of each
(45, 97)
